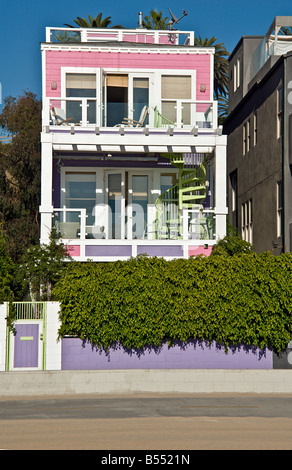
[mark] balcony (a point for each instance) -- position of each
(90, 113)
(191, 224)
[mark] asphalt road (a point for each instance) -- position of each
(150, 422)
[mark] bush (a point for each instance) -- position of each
(231, 244)
(241, 299)
(7, 272)
(40, 269)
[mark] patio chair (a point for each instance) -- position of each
(132, 123)
(59, 118)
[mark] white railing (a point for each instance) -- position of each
(199, 224)
(193, 224)
(86, 112)
(186, 113)
(69, 223)
(144, 36)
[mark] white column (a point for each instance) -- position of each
(3, 333)
(220, 186)
(46, 207)
(53, 344)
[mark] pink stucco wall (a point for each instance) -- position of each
(200, 250)
(125, 60)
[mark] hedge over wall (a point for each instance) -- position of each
(243, 299)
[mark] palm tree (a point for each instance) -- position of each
(286, 30)
(96, 22)
(222, 109)
(220, 74)
(220, 65)
(155, 20)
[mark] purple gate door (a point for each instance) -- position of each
(26, 346)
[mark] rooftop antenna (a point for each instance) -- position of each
(175, 20)
(140, 19)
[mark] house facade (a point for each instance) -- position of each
(133, 160)
(258, 126)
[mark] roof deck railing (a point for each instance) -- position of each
(139, 35)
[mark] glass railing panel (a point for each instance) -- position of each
(64, 113)
(201, 225)
(67, 224)
(168, 113)
(74, 111)
(202, 115)
(91, 112)
(63, 35)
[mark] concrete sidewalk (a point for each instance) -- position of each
(40, 383)
(160, 422)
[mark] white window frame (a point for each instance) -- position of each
(279, 209)
(236, 74)
(246, 137)
(255, 128)
(280, 111)
(247, 221)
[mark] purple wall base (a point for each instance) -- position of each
(77, 355)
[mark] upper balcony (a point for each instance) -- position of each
(123, 81)
(143, 36)
(275, 43)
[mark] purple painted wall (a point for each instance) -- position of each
(108, 250)
(193, 355)
(160, 250)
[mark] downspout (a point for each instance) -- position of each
(284, 154)
(286, 172)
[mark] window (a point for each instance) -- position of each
(247, 221)
(236, 75)
(80, 193)
(246, 137)
(280, 111)
(255, 128)
(167, 181)
(81, 86)
(233, 182)
(140, 97)
(233, 185)
(175, 87)
(279, 209)
(117, 92)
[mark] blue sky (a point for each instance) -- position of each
(23, 27)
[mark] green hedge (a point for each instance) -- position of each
(243, 299)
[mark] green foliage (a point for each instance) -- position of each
(155, 20)
(231, 244)
(41, 267)
(235, 300)
(7, 272)
(20, 170)
(97, 22)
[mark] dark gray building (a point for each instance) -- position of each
(259, 129)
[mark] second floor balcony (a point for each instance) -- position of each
(90, 112)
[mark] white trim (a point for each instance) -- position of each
(141, 48)
(211, 77)
(45, 111)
